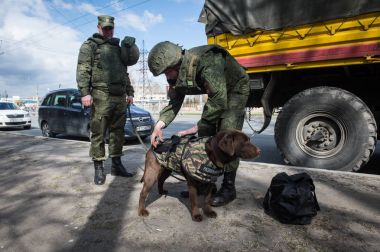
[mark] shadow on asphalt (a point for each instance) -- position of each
(106, 224)
(104, 229)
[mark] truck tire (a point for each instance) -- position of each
(328, 128)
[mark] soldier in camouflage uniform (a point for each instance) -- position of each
(207, 70)
(105, 86)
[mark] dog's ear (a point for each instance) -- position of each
(226, 144)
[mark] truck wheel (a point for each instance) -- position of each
(327, 128)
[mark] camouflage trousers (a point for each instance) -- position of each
(232, 118)
(107, 115)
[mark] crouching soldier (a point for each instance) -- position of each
(207, 70)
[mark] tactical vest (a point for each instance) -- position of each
(108, 71)
(189, 156)
(188, 71)
(187, 77)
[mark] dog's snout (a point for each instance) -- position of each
(258, 151)
(249, 151)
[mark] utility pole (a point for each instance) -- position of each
(143, 71)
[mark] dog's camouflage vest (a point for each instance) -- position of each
(188, 155)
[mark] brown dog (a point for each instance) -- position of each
(224, 147)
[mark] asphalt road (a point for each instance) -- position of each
(49, 203)
(265, 140)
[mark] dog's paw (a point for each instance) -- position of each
(197, 217)
(211, 214)
(143, 213)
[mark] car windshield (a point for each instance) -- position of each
(7, 105)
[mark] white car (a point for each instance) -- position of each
(12, 116)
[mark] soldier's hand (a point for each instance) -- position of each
(87, 100)
(128, 41)
(129, 99)
(190, 131)
(157, 134)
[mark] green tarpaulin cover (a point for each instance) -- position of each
(243, 16)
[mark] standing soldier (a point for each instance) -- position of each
(207, 70)
(105, 86)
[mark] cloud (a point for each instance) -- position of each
(88, 8)
(62, 4)
(140, 23)
(37, 52)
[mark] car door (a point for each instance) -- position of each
(58, 115)
(44, 110)
(78, 117)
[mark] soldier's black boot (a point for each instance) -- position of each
(118, 169)
(99, 177)
(227, 192)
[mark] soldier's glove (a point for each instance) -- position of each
(128, 41)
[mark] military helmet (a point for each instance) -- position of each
(163, 56)
(130, 55)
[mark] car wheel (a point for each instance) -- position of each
(27, 127)
(46, 132)
(327, 128)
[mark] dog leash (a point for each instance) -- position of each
(141, 141)
(134, 128)
(267, 120)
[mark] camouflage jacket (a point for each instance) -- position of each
(100, 67)
(188, 157)
(207, 70)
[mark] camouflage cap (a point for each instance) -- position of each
(105, 21)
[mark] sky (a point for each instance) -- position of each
(40, 39)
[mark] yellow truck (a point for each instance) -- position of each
(318, 62)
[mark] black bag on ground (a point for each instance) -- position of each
(291, 199)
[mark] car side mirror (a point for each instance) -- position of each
(76, 105)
